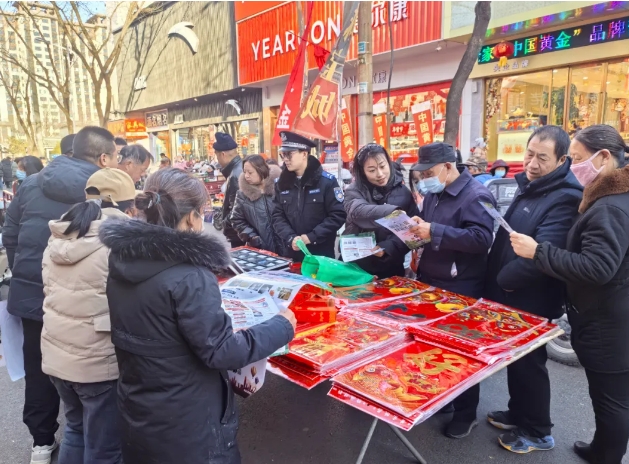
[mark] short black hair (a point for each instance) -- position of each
(557, 135)
(135, 152)
(91, 142)
(120, 141)
(31, 164)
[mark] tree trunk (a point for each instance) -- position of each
(365, 76)
(453, 105)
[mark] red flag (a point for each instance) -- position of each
(321, 55)
(380, 124)
(318, 116)
(294, 88)
(422, 115)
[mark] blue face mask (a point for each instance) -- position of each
(432, 184)
(21, 175)
(500, 172)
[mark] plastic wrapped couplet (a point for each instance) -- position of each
(410, 378)
(419, 308)
(380, 290)
(483, 326)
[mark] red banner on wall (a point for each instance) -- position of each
(347, 135)
(422, 115)
(294, 89)
(380, 124)
(318, 116)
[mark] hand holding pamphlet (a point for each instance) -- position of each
(359, 246)
(400, 224)
(493, 212)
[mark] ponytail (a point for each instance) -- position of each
(80, 217)
(159, 208)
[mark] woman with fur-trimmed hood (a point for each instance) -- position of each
(251, 216)
(173, 340)
(595, 268)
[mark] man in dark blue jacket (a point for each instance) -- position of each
(44, 197)
(544, 208)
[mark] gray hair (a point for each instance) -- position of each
(136, 153)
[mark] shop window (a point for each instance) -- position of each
(585, 90)
(616, 103)
(558, 97)
(404, 140)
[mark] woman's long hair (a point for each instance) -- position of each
(81, 215)
(31, 165)
(603, 137)
(371, 150)
(169, 195)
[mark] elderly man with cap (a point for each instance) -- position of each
(231, 166)
(461, 233)
(308, 200)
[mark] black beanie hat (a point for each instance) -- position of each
(224, 142)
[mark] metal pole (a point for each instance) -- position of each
(367, 440)
(408, 445)
(365, 75)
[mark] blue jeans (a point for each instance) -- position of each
(92, 432)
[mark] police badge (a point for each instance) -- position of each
(338, 194)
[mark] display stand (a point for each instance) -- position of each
(398, 433)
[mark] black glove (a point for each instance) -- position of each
(255, 242)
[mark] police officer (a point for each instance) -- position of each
(308, 200)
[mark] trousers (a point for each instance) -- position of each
(41, 400)
(92, 431)
(610, 400)
(529, 392)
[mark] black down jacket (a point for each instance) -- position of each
(366, 204)
(42, 197)
(174, 344)
(544, 209)
(6, 170)
(312, 205)
(595, 268)
(231, 172)
(251, 216)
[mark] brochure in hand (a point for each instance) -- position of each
(493, 212)
(354, 247)
(400, 224)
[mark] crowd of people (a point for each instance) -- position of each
(121, 310)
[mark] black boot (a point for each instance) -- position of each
(584, 451)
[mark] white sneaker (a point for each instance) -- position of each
(43, 454)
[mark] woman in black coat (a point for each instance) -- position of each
(377, 191)
(595, 268)
(251, 216)
(174, 342)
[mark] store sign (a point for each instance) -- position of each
(268, 42)
(565, 39)
(117, 128)
(403, 129)
(512, 65)
(134, 126)
(350, 82)
(156, 120)
(422, 115)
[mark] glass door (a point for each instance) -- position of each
(586, 91)
(616, 102)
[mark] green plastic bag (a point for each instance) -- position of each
(331, 270)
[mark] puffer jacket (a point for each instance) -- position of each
(6, 166)
(175, 343)
(251, 216)
(595, 267)
(76, 338)
(363, 206)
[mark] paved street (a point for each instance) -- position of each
(285, 424)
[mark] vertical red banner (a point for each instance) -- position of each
(294, 89)
(422, 115)
(347, 134)
(380, 124)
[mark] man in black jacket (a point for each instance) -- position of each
(6, 166)
(308, 201)
(544, 208)
(231, 167)
(41, 198)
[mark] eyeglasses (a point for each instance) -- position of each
(286, 156)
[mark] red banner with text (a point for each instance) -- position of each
(347, 134)
(422, 115)
(380, 124)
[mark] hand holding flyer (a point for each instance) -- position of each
(493, 212)
(359, 246)
(400, 224)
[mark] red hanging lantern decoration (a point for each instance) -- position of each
(504, 51)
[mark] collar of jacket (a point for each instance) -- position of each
(378, 193)
(227, 170)
(615, 183)
(131, 240)
(559, 178)
(310, 178)
(459, 184)
(253, 192)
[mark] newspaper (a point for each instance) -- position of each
(359, 246)
(400, 224)
(493, 212)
